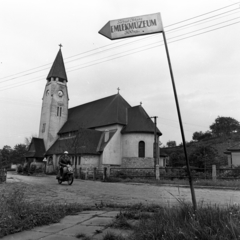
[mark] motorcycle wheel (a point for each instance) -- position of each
(59, 181)
(70, 180)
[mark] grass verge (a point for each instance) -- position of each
(18, 214)
(181, 222)
(199, 182)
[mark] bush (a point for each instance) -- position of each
(19, 168)
(33, 168)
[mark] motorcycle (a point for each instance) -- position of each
(67, 177)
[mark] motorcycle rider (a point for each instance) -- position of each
(63, 162)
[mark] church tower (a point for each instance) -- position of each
(54, 102)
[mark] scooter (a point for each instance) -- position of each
(67, 177)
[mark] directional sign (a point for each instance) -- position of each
(133, 26)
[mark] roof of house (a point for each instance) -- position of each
(235, 148)
(139, 122)
(36, 148)
(86, 141)
(58, 68)
(106, 111)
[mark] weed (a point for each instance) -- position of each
(83, 236)
(18, 214)
(112, 236)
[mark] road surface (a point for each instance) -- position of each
(87, 192)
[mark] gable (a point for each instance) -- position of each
(139, 122)
(36, 148)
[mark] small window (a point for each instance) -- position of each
(141, 149)
(59, 111)
(43, 127)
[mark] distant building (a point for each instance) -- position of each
(103, 132)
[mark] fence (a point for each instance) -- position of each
(158, 173)
(175, 173)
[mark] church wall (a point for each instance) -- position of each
(135, 162)
(89, 162)
(112, 153)
(130, 144)
(51, 102)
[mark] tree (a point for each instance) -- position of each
(6, 153)
(171, 143)
(204, 157)
(197, 136)
(19, 153)
(224, 126)
(177, 158)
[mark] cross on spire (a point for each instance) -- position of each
(60, 45)
(118, 89)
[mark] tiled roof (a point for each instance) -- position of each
(139, 122)
(85, 142)
(36, 148)
(235, 148)
(58, 68)
(102, 112)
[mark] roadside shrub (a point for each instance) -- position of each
(19, 168)
(33, 168)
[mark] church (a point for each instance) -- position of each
(104, 132)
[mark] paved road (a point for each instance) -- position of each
(46, 189)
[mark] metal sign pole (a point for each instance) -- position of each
(181, 125)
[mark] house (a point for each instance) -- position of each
(103, 132)
(233, 154)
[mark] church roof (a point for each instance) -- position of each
(36, 148)
(139, 122)
(102, 112)
(58, 68)
(86, 141)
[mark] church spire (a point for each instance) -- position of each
(58, 68)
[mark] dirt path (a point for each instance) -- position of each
(46, 189)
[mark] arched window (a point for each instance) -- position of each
(141, 149)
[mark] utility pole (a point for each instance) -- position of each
(181, 125)
(155, 149)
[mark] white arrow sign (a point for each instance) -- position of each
(133, 26)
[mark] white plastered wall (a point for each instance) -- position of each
(236, 158)
(112, 154)
(130, 144)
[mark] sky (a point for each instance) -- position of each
(205, 61)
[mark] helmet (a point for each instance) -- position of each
(66, 152)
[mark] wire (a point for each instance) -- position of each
(117, 43)
(135, 52)
(203, 14)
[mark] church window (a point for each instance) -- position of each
(141, 149)
(59, 111)
(43, 127)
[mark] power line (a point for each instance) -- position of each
(203, 14)
(118, 42)
(135, 52)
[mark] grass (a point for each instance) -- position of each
(199, 182)
(18, 214)
(82, 236)
(146, 222)
(181, 222)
